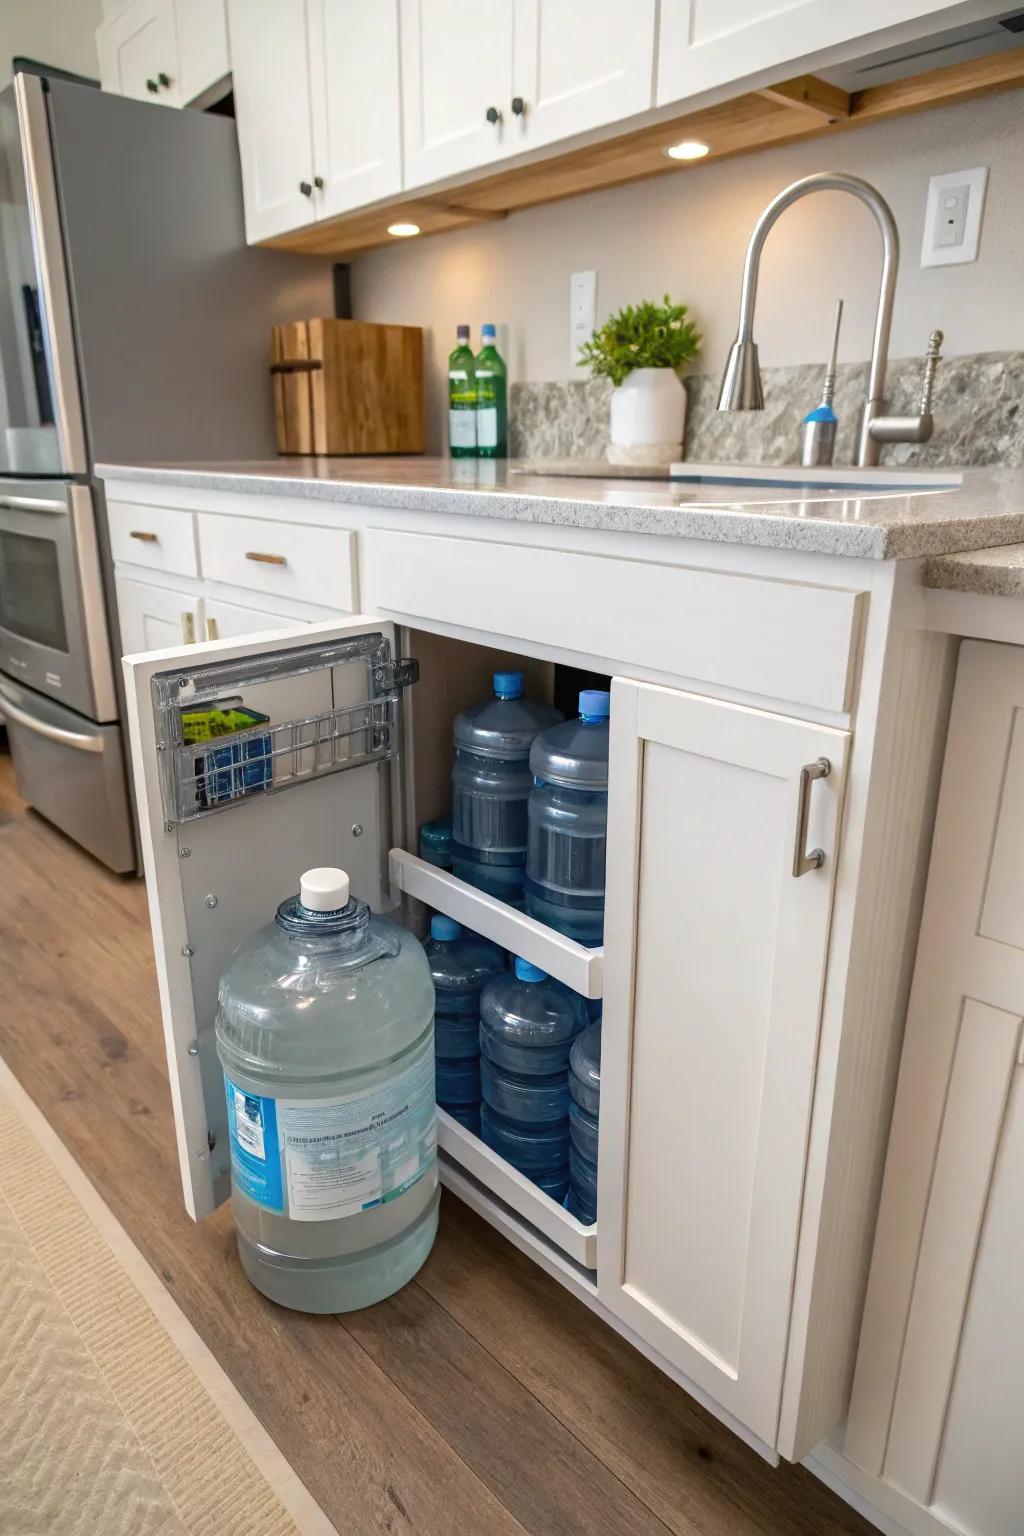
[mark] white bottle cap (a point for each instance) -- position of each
(324, 890)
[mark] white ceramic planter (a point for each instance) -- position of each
(648, 415)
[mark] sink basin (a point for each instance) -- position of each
(826, 477)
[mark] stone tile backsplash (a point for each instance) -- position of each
(978, 407)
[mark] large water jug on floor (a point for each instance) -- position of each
(584, 1112)
(460, 964)
(491, 787)
(568, 822)
(325, 1034)
(528, 1022)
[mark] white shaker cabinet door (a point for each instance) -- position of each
(456, 70)
(232, 621)
(704, 44)
(938, 1398)
(715, 952)
(203, 60)
(356, 101)
(270, 71)
(152, 617)
(138, 53)
(580, 64)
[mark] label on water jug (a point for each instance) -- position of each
(334, 1157)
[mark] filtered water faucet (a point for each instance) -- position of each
(741, 382)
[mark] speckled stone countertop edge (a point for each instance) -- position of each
(727, 523)
(993, 572)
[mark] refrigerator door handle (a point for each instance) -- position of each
(48, 249)
(74, 739)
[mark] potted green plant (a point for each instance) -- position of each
(642, 349)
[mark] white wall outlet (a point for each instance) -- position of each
(952, 219)
(582, 312)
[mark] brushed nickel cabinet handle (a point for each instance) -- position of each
(804, 860)
(211, 630)
(143, 538)
(188, 627)
(254, 554)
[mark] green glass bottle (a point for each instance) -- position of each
(461, 398)
(491, 399)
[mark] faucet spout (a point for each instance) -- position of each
(741, 383)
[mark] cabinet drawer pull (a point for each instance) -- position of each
(188, 628)
(804, 861)
(254, 554)
(211, 630)
(143, 537)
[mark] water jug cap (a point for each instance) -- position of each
(595, 704)
(436, 834)
(324, 890)
(488, 330)
(508, 685)
(526, 971)
(462, 332)
(444, 927)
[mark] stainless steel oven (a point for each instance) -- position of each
(53, 628)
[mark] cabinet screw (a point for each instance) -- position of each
(204, 1155)
(357, 830)
(223, 1171)
(185, 853)
(168, 826)
(188, 950)
(211, 900)
(183, 682)
(192, 1049)
(161, 746)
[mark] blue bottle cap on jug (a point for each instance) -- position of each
(595, 704)
(508, 685)
(822, 413)
(444, 927)
(488, 330)
(525, 971)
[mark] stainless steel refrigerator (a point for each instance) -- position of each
(133, 326)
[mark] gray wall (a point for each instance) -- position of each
(686, 233)
(58, 32)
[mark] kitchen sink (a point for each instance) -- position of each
(826, 477)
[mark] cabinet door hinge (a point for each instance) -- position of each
(399, 674)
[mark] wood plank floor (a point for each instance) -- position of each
(483, 1399)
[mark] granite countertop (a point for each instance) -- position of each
(987, 509)
(989, 572)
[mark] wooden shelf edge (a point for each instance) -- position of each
(801, 108)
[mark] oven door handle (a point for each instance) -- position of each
(75, 739)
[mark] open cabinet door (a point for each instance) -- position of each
(306, 775)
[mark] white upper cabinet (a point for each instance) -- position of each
(270, 67)
(357, 110)
(704, 44)
(712, 1001)
(580, 64)
(138, 53)
(169, 51)
(457, 86)
(203, 59)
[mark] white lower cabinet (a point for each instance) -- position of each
(938, 1400)
(717, 941)
(151, 618)
(722, 853)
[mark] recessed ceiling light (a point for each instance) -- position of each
(689, 149)
(403, 230)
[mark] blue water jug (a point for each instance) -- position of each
(584, 1109)
(436, 843)
(568, 822)
(491, 787)
(460, 964)
(528, 1022)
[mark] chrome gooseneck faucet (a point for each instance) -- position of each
(741, 382)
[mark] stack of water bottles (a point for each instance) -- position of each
(461, 963)
(528, 1022)
(491, 787)
(584, 1109)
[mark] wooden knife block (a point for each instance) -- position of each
(347, 386)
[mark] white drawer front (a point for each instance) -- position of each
(779, 639)
(284, 559)
(160, 538)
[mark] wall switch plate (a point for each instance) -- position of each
(952, 220)
(582, 312)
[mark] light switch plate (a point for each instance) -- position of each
(582, 312)
(952, 219)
